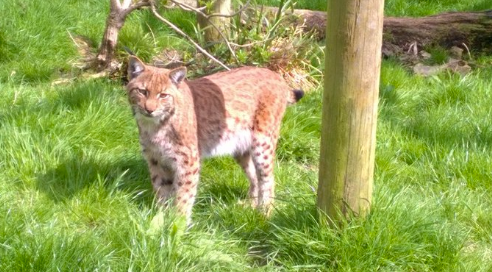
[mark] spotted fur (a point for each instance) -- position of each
(236, 113)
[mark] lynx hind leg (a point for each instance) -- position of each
(246, 162)
(263, 158)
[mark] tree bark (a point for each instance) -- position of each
(105, 55)
(463, 29)
(214, 24)
(115, 21)
(470, 29)
(348, 131)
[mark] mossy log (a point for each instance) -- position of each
(469, 30)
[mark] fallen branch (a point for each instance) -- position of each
(470, 29)
(462, 29)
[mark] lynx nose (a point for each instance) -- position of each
(150, 107)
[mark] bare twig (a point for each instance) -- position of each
(278, 17)
(199, 10)
(467, 50)
(73, 40)
(179, 31)
(187, 7)
(248, 44)
(140, 4)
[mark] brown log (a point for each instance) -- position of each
(463, 29)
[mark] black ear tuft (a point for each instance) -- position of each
(177, 75)
(129, 51)
(135, 67)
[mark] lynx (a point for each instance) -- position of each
(235, 112)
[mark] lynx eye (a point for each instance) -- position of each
(163, 96)
(143, 92)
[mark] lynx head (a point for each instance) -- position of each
(152, 91)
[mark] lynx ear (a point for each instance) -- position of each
(177, 75)
(135, 67)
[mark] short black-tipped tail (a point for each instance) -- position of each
(296, 96)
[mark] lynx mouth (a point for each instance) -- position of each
(156, 116)
(147, 115)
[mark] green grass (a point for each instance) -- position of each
(426, 8)
(75, 192)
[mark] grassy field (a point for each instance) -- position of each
(75, 193)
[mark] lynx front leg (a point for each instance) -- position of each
(162, 177)
(186, 184)
(246, 162)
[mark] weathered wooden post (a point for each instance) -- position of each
(348, 141)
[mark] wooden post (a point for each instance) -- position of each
(348, 140)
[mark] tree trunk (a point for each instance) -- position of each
(105, 55)
(115, 21)
(473, 29)
(348, 139)
(214, 24)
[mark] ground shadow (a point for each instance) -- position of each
(263, 237)
(226, 188)
(77, 173)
